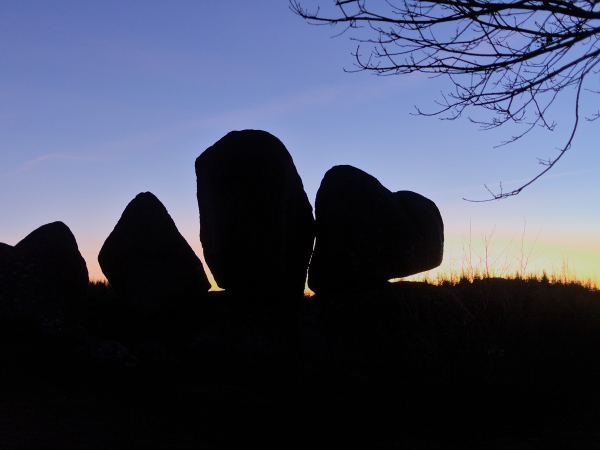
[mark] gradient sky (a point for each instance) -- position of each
(102, 100)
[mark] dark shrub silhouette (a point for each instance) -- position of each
(256, 223)
(367, 235)
(405, 366)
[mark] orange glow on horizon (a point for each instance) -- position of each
(501, 257)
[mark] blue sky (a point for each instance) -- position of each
(100, 101)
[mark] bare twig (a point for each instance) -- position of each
(511, 58)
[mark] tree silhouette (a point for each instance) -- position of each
(511, 58)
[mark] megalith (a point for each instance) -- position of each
(43, 273)
(366, 234)
(256, 223)
(148, 262)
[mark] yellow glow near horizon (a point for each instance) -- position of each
(574, 260)
(95, 274)
(501, 257)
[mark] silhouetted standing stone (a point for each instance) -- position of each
(148, 261)
(43, 272)
(256, 223)
(367, 235)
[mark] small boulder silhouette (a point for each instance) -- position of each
(256, 223)
(430, 225)
(43, 273)
(148, 262)
(367, 235)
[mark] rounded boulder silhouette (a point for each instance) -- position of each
(367, 234)
(43, 273)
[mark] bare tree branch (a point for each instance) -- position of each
(511, 58)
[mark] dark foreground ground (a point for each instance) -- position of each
(493, 364)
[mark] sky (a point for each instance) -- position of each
(100, 101)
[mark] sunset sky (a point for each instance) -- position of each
(100, 101)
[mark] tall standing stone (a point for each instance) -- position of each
(148, 262)
(256, 223)
(367, 235)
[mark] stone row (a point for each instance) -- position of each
(257, 227)
(257, 232)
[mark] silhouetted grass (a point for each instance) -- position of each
(481, 362)
(515, 260)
